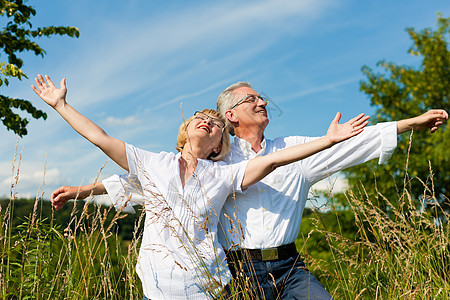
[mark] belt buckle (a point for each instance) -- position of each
(269, 254)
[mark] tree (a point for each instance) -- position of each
(17, 36)
(400, 92)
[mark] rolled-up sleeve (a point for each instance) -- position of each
(125, 192)
(388, 138)
(377, 141)
(239, 172)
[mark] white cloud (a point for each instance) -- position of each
(127, 121)
(30, 180)
(334, 184)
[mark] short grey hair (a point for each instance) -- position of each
(227, 99)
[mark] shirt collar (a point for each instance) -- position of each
(246, 147)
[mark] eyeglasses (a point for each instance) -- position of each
(216, 122)
(250, 98)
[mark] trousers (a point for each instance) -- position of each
(276, 279)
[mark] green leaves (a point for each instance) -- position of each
(16, 9)
(12, 120)
(400, 92)
(16, 37)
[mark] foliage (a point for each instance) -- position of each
(400, 92)
(123, 227)
(314, 241)
(401, 252)
(84, 257)
(18, 36)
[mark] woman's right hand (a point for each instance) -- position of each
(61, 195)
(49, 92)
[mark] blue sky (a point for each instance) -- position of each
(135, 62)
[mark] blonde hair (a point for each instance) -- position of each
(227, 99)
(225, 142)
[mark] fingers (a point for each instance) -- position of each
(438, 113)
(38, 92)
(435, 126)
(437, 117)
(42, 83)
(355, 119)
(60, 200)
(337, 118)
(49, 81)
(60, 196)
(360, 126)
(356, 131)
(55, 197)
(56, 193)
(63, 83)
(362, 120)
(358, 123)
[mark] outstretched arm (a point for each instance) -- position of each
(60, 196)
(56, 98)
(432, 119)
(260, 167)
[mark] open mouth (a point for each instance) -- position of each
(206, 128)
(262, 111)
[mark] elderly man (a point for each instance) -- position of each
(259, 227)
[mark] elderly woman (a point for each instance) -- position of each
(183, 193)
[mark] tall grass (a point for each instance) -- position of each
(400, 252)
(84, 259)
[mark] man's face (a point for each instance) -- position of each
(250, 114)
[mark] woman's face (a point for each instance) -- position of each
(207, 130)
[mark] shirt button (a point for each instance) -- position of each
(265, 209)
(262, 191)
(268, 228)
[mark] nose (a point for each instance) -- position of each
(261, 102)
(208, 121)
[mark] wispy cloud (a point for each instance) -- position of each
(148, 49)
(127, 121)
(322, 88)
(184, 97)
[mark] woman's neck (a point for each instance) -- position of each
(188, 164)
(192, 152)
(188, 160)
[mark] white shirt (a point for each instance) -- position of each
(270, 212)
(180, 257)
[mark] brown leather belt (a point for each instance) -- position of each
(281, 252)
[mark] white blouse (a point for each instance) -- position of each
(180, 257)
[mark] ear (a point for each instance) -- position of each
(215, 152)
(230, 115)
(218, 148)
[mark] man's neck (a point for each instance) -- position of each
(254, 138)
